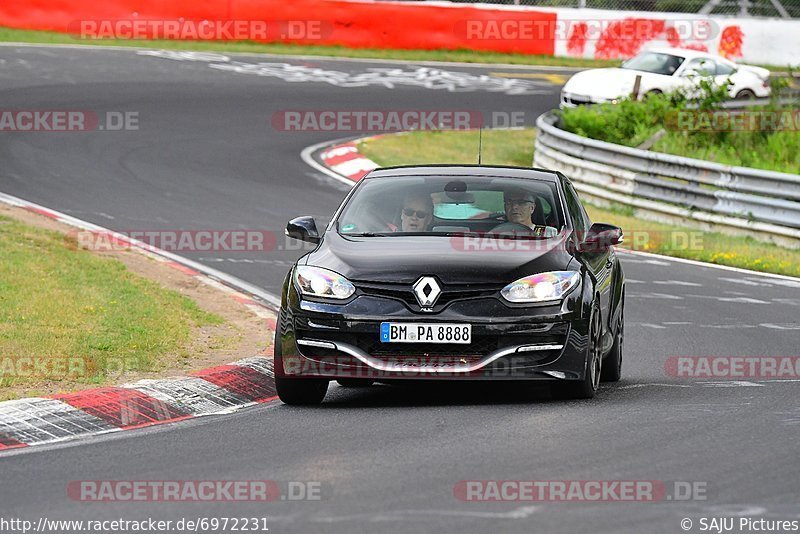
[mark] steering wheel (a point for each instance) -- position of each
(510, 228)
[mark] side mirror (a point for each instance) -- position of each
(690, 73)
(303, 228)
(600, 237)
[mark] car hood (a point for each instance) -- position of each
(454, 260)
(603, 83)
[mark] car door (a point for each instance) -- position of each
(727, 72)
(598, 261)
(697, 69)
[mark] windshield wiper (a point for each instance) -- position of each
(366, 234)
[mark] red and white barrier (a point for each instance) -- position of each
(604, 34)
(589, 33)
(346, 160)
(320, 22)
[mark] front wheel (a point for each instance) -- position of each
(587, 387)
(297, 391)
(612, 367)
(301, 391)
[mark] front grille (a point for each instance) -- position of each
(426, 360)
(449, 293)
(479, 346)
(577, 100)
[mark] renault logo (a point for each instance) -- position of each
(427, 291)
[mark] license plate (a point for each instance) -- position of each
(426, 333)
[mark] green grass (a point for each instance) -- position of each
(694, 244)
(463, 56)
(778, 151)
(62, 304)
(515, 147)
(630, 123)
(500, 147)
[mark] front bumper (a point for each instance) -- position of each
(573, 100)
(323, 340)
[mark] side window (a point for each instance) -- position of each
(703, 66)
(579, 217)
(723, 69)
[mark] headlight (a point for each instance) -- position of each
(541, 287)
(317, 282)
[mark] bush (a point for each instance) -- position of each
(631, 122)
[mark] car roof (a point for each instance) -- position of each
(687, 53)
(493, 171)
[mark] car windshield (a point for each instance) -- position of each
(448, 205)
(655, 62)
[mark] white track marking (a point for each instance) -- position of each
(310, 58)
(307, 156)
(709, 265)
(523, 512)
(730, 384)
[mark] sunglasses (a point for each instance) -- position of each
(517, 202)
(419, 214)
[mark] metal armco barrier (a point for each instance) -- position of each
(761, 203)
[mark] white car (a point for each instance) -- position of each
(663, 70)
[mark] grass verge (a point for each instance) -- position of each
(762, 137)
(461, 56)
(515, 147)
(73, 318)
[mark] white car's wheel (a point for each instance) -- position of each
(745, 94)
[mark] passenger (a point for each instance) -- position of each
(417, 213)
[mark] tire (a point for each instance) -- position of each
(301, 391)
(354, 382)
(298, 391)
(587, 387)
(745, 94)
(612, 366)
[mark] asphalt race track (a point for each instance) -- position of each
(388, 458)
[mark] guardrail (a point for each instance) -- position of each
(760, 203)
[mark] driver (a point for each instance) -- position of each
(417, 213)
(519, 207)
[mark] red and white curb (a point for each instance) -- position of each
(218, 390)
(345, 159)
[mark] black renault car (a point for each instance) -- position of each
(453, 273)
